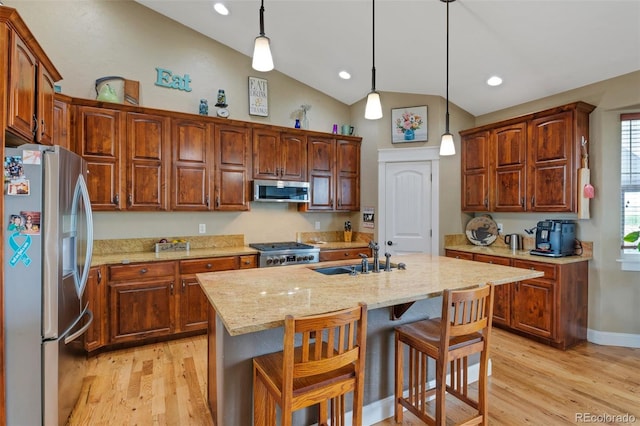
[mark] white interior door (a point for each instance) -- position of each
(407, 208)
(408, 194)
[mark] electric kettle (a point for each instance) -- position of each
(514, 241)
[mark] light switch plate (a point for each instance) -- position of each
(317, 225)
(202, 228)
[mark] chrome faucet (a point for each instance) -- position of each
(365, 263)
(376, 257)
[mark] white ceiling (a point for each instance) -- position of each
(539, 47)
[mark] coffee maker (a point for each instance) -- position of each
(555, 238)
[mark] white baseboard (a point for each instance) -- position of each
(608, 338)
(384, 408)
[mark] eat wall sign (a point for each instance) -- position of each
(166, 78)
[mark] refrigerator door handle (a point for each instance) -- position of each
(70, 338)
(84, 194)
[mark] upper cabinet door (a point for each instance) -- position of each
(21, 118)
(147, 162)
(232, 154)
(99, 133)
(266, 154)
(551, 169)
(192, 165)
(46, 92)
(293, 157)
(347, 175)
(509, 157)
(475, 171)
(321, 152)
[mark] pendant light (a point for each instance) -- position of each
(446, 144)
(262, 59)
(373, 109)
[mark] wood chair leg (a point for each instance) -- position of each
(441, 392)
(264, 408)
(399, 361)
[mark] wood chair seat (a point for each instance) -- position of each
(463, 329)
(327, 364)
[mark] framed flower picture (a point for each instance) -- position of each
(409, 124)
(258, 97)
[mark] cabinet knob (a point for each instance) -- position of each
(143, 270)
(184, 286)
(99, 276)
(171, 288)
(247, 262)
(209, 266)
(116, 200)
(43, 129)
(207, 200)
(130, 199)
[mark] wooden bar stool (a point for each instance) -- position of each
(328, 364)
(463, 329)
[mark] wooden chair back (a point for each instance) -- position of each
(320, 344)
(465, 313)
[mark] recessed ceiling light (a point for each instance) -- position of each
(221, 9)
(494, 81)
(344, 75)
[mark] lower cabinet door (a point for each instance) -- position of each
(141, 309)
(95, 296)
(533, 309)
(194, 305)
(502, 304)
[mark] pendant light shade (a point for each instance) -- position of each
(373, 109)
(262, 59)
(446, 144)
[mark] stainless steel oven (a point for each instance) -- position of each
(285, 253)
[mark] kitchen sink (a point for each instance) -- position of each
(349, 269)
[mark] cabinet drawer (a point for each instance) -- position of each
(209, 265)
(249, 261)
(495, 260)
(550, 271)
(342, 254)
(141, 270)
(459, 254)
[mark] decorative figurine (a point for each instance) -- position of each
(204, 107)
(222, 104)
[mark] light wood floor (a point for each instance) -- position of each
(532, 384)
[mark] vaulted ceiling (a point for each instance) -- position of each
(538, 47)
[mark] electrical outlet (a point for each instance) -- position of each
(500, 229)
(317, 225)
(202, 228)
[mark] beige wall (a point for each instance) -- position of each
(91, 39)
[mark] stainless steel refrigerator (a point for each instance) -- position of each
(48, 237)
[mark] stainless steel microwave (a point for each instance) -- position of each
(280, 191)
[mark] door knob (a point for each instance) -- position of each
(389, 243)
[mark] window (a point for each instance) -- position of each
(630, 180)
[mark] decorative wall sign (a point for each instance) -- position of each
(166, 78)
(258, 97)
(409, 124)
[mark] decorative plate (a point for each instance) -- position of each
(482, 230)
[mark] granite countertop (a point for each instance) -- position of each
(118, 251)
(251, 300)
(131, 257)
(520, 255)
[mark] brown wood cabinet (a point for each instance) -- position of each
(31, 79)
(62, 121)
(192, 165)
(525, 164)
(279, 155)
(141, 301)
(99, 135)
(232, 154)
(95, 295)
(148, 159)
(341, 254)
(551, 309)
(334, 174)
(194, 305)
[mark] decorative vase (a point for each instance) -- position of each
(409, 135)
(297, 125)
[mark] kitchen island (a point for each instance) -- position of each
(248, 308)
